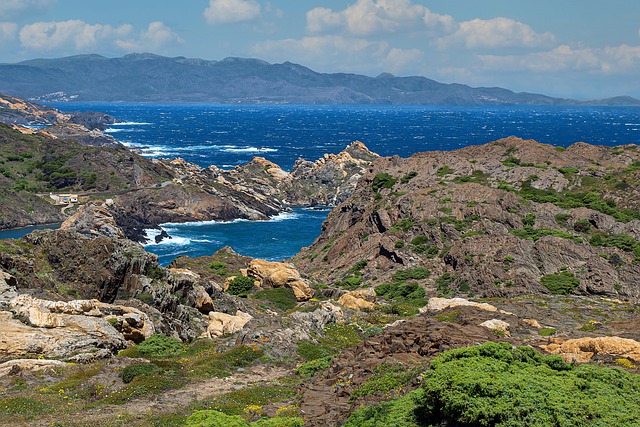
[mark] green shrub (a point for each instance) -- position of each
(562, 219)
(561, 283)
(582, 226)
(282, 299)
(312, 367)
(386, 378)
(159, 345)
(411, 273)
(209, 418)
(444, 170)
(351, 282)
(496, 385)
(401, 412)
(132, 371)
(408, 177)
(383, 180)
(400, 291)
(240, 285)
(547, 332)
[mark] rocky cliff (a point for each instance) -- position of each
(508, 218)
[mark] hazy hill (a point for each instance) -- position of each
(153, 78)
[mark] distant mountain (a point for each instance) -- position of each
(152, 78)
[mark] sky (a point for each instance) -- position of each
(582, 49)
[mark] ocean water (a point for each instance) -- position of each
(228, 135)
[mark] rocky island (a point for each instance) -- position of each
(516, 259)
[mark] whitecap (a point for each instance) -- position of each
(131, 124)
(232, 149)
(151, 234)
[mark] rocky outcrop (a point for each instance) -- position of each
(582, 350)
(271, 274)
(225, 324)
(492, 221)
(93, 221)
(80, 134)
(362, 299)
(437, 304)
(74, 329)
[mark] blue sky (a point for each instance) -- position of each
(581, 49)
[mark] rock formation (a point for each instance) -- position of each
(270, 274)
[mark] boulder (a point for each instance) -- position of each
(18, 366)
(438, 304)
(497, 325)
(271, 274)
(223, 324)
(83, 328)
(203, 302)
(361, 299)
(581, 350)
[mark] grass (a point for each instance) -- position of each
(282, 299)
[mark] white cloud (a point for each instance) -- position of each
(78, 36)
(10, 8)
(228, 11)
(495, 33)
(156, 37)
(338, 53)
(371, 17)
(607, 60)
(68, 34)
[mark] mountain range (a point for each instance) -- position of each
(144, 77)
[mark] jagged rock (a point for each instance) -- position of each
(203, 302)
(19, 366)
(437, 304)
(361, 299)
(497, 325)
(223, 324)
(66, 329)
(533, 323)
(581, 350)
(317, 320)
(271, 274)
(93, 221)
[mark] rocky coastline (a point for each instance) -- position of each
(513, 242)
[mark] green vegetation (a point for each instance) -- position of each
(383, 180)
(386, 379)
(444, 170)
(282, 299)
(211, 418)
(240, 285)
(547, 332)
(443, 283)
(402, 291)
(312, 367)
(408, 177)
(562, 283)
(534, 234)
(159, 345)
(496, 385)
(132, 371)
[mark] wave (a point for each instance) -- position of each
(151, 234)
(131, 124)
(235, 149)
(149, 150)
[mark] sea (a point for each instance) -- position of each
(229, 135)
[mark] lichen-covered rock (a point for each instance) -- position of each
(581, 350)
(437, 304)
(93, 221)
(361, 299)
(271, 274)
(497, 325)
(223, 324)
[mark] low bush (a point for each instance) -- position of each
(132, 371)
(411, 273)
(383, 180)
(312, 367)
(562, 283)
(240, 285)
(159, 345)
(282, 299)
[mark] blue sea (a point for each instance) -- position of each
(228, 135)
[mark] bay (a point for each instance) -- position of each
(229, 135)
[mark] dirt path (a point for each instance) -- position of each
(167, 402)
